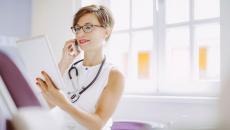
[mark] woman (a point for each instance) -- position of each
(93, 86)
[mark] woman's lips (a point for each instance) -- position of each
(83, 41)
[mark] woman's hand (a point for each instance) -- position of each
(70, 51)
(50, 91)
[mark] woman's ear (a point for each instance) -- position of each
(108, 32)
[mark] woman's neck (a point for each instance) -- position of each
(93, 58)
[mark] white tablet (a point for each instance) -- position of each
(37, 56)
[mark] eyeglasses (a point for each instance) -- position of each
(86, 28)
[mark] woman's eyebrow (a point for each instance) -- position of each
(87, 23)
(83, 24)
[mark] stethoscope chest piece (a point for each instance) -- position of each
(73, 96)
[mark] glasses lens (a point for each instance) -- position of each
(88, 28)
(75, 29)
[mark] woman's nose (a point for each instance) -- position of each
(80, 33)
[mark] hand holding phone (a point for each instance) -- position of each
(70, 52)
(72, 48)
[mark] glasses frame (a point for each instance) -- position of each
(73, 28)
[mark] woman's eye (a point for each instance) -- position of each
(77, 29)
(88, 27)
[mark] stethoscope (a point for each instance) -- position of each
(75, 95)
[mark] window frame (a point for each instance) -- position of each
(210, 88)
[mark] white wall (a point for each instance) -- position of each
(225, 62)
(176, 112)
(15, 18)
(54, 19)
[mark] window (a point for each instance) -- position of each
(191, 47)
(133, 40)
(167, 47)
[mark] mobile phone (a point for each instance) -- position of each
(76, 45)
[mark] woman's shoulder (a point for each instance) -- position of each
(116, 78)
(115, 72)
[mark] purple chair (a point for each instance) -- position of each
(17, 86)
(130, 125)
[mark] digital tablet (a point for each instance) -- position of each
(37, 56)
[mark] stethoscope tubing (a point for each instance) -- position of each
(73, 67)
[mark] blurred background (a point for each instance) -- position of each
(174, 53)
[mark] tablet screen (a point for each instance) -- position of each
(37, 56)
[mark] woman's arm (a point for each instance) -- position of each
(69, 53)
(106, 105)
(50, 104)
(63, 65)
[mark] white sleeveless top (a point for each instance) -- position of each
(89, 98)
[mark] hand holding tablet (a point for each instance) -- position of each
(37, 56)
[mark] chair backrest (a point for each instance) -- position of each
(16, 84)
(130, 125)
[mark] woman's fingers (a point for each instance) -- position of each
(69, 44)
(48, 80)
(42, 84)
(70, 47)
